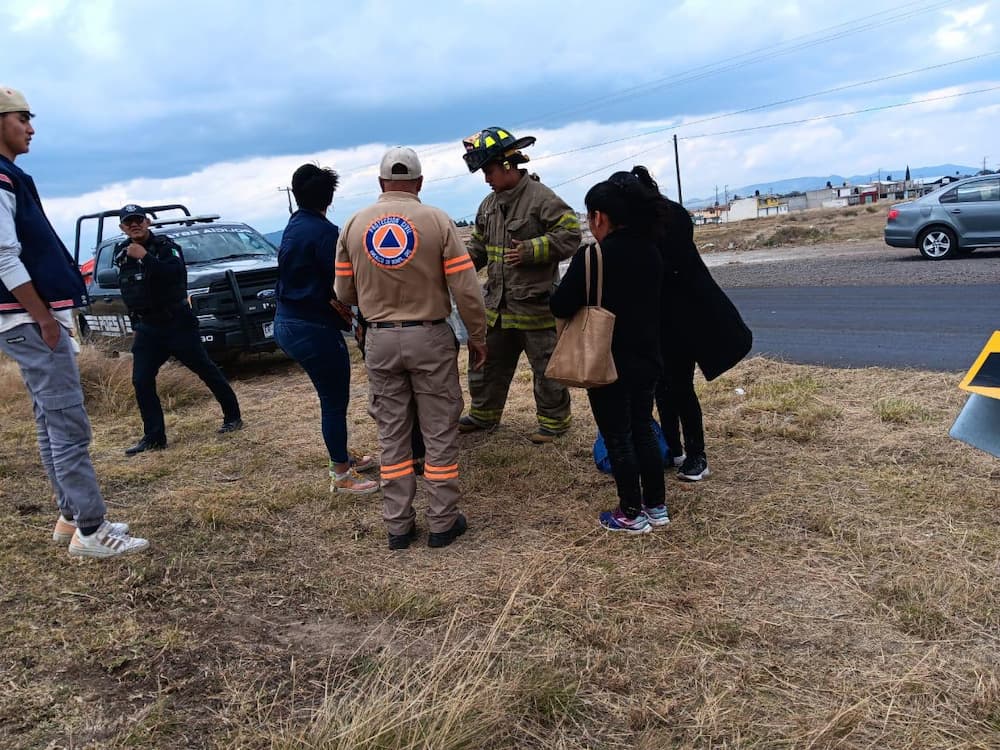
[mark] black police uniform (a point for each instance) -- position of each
(154, 288)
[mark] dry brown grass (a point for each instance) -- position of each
(832, 585)
(853, 223)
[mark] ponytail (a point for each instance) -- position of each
(626, 201)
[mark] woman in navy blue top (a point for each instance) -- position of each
(309, 322)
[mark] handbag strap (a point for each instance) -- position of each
(600, 273)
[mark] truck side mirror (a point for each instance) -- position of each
(108, 278)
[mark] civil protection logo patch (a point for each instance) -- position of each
(391, 241)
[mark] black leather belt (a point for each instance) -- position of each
(407, 323)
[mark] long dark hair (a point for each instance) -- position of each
(661, 207)
(626, 201)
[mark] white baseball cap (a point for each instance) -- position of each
(400, 163)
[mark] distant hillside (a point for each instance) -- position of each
(274, 237)
(801, 184)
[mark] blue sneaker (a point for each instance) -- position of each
(615, 520)
(657, 515)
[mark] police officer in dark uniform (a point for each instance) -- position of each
(153, 281)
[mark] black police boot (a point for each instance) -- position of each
(444, 538)
(147, 444)
(231, 425)
(402, 541)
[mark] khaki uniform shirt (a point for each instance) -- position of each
(398, 259)
(549, 231)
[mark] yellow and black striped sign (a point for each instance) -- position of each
(984, 375)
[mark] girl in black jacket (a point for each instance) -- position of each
(699, 325)
(621, 216)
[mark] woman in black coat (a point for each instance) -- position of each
(700, 325)
(621, 214)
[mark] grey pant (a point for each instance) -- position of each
(53, 382)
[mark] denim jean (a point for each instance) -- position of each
(622, 411)
(322, 352)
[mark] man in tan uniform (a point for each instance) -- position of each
(398, 260)
(522, 231)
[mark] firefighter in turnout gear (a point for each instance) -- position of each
(153, 281)
(522, 231)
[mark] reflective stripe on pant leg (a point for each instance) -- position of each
(431, 360)
(488, 387)
(552, 401)
(390, 406)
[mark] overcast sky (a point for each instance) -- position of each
(214, 104)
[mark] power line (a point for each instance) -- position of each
(818, 118)
(757, 108)
(846, 28)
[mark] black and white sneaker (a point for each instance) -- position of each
(694, 469)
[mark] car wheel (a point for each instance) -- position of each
(937, 243)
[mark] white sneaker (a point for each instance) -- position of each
(679, 460)
(64, 530)
(103, 543)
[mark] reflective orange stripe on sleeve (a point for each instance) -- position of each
(440, 472)
(454, 265)
(344, 269)
(397, 470)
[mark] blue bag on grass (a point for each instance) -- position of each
(603, 462)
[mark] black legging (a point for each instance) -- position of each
(676, 401)
(622, 412)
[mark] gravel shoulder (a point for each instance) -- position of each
(852, 263)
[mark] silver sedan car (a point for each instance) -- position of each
(955, 218)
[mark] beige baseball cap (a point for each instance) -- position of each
(12, 100)
(400, 163)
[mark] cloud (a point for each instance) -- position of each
(965, 30)
(247, 189)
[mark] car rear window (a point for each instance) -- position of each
(973, 192)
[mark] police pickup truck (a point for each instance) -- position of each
(231, 270)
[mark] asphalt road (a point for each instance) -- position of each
(924, 327)
(865, 306)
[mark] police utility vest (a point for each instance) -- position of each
(145, 288)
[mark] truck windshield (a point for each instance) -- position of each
(221, 243)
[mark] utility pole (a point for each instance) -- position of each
(716, 195)
(288, 192)
(727, 194)
(677, 163)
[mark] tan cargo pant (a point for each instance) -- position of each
(416, 364)
(488, 387)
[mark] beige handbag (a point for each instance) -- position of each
(582, 357)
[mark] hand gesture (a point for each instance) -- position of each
(512, 256)
(137, 251)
